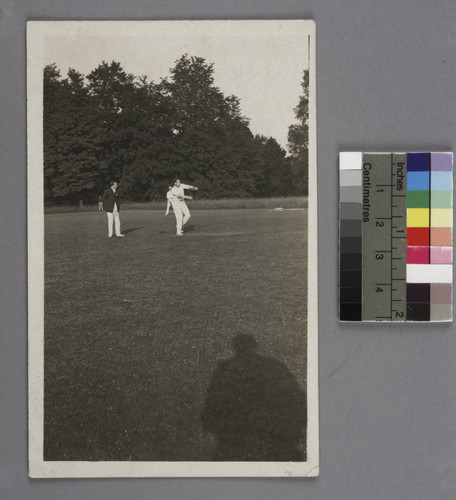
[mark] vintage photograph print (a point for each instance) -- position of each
(172, 249)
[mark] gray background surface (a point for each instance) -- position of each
(386, 75)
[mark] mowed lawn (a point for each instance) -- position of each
(135, 326)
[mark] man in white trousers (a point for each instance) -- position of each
(180, 208)
(111, 203)
(169, 196)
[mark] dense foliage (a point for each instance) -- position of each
(113, 125)
(298, 140)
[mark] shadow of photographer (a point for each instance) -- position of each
(255, 408)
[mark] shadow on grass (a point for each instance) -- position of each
(131, 230)
(190, 228)
(255, 408)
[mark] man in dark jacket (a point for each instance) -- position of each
(111, 204)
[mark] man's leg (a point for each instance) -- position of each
(110, 220)
(117, 222)
(186, 213)
(178, 213)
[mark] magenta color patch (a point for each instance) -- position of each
(417, 255)
(441, 293)
(441, 255)
(442, 161)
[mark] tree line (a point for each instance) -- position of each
(114, 125)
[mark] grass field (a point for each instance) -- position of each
(135, 326)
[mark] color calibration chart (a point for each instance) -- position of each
(396, 236)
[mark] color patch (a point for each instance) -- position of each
(429, 273)
(418, 255)
(441, 217)
(349, 295)
(418, 236)
(350, 312)
(351, 161)
(417, 199)
(442, 161)
(441, 312)
(441, 255)
(350, 261)
(442, 199)
(417, 162)
(350, 245)
(350, 279)
(396, 236)
(441, 181)
(441, 293)
(418, 311)
(351, 228)
(351, 211)
(418, 292)
(350, 178)
(441, 236)
(418, 181)
(417, 217)
(351, 194)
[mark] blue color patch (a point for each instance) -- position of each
(417, 181)
(441, 181)
(418, 162)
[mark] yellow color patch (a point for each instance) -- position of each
(442, 217)
(417, 217)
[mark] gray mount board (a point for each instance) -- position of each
(387, 399)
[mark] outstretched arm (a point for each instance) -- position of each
(187, 186)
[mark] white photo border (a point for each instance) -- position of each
(37, 31)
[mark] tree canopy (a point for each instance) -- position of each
(298, 140)
(114, 125)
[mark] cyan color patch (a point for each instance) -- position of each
(417, 181)
(441, 181)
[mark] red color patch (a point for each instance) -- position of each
(417, 236)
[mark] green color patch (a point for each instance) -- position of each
(441, 199)
(417, 199)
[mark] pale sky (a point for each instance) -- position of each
(260, 62)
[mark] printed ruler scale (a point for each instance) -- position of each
(384, 230)
(396, 237)
(376, 233)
